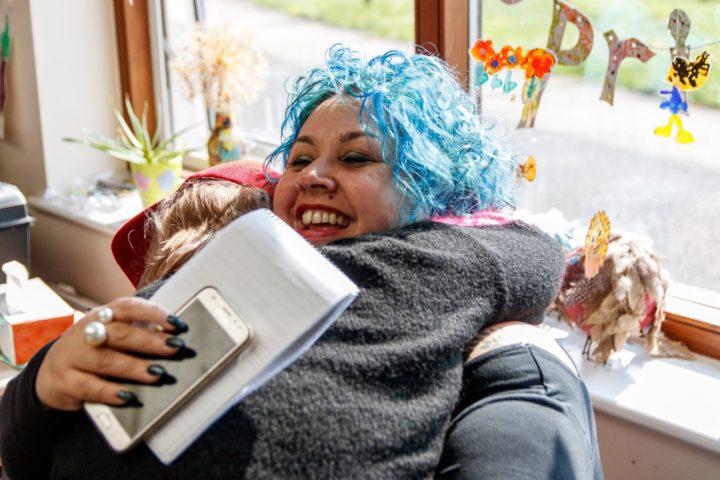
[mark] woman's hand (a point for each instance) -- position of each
(73, 371)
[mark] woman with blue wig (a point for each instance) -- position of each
(381, 161)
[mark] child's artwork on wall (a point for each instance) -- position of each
(5, 43)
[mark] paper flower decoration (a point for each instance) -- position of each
(511, 57)
(538, 63)
(482, 50)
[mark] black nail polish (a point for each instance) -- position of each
(126, 396)
(178, 323)
(156, 370)
(175, 342)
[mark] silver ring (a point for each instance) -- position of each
(95, 333)
(105, 315)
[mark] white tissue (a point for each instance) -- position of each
(16, 300)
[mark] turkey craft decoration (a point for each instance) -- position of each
(614, 289)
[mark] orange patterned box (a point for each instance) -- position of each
(46, 318)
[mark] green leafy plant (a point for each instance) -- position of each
(135, 145)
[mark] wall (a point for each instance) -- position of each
(62, 78)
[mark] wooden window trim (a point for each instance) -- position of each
(135, 56)
(441, 28)
(693, 317)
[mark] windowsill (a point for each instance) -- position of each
(105, 223)
(673, 396)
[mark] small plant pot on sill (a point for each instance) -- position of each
(155, 181)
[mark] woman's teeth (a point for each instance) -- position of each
(318, 217)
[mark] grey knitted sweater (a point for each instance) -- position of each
(372, 399)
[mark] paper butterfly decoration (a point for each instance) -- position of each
(528, 169)
(685, 76)
(596, 243)
(689, 75)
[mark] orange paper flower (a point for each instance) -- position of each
(482, 50)
(494, 64)
(538, 63)
(511, 57)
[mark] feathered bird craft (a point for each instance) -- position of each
(626, 298)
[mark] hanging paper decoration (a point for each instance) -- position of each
(679, 26)
(562, 14)
(619, 50)
(537, 65)
(491, 62)
(684, 75)
(596, 243)
(527, 170)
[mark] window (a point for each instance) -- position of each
(591, 156)
(293, 37)
(594, 154)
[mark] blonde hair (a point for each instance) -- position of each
(184, 222)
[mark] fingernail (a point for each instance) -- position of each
(178, 323)
(175, 342)
(126, 396)
(156, 370)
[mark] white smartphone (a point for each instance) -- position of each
(215, 336)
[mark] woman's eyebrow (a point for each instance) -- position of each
(305, 139)
(348, 136)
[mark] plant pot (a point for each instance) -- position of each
(226, 142)
(156, 181)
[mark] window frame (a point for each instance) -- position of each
(441, 28)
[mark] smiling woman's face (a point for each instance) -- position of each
(336, 184)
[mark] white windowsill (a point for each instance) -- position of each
(676, 397)
(105, 223)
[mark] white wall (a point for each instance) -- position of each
(63, 77)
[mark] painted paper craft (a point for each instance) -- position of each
(562, 14)
(596, 243)
(684, 75)
(528, 170)
(679, 26)
(619, 51)
(538, 64)
(491, 63)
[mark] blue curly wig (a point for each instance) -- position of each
(444, 159)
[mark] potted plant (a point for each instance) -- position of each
(226, 68)
(154, 165)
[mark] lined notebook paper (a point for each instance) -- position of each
(279, 284)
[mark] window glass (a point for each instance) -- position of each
(293, 36)
(592, 155)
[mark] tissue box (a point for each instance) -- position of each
(23, 334)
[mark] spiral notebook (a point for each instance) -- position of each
(281, 285)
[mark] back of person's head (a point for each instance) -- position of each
(185, 221)
(444, 158)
